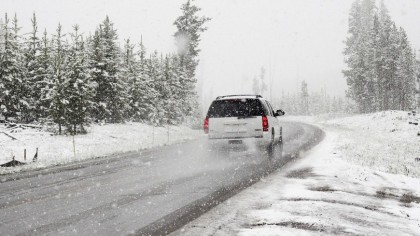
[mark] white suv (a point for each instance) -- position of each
(235, 119)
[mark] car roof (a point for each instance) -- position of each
(226, 97)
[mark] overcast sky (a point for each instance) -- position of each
(293, 40)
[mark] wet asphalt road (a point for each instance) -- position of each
(151, 192)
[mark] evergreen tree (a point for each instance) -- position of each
(12, 101)
(406, 74)
(1, 36)
(23, 85)
(43, 77)
(145, 92)
(154, 73)
(130, 76)
(373, 65)
(389, 41)
(189, 28)
(105, 65)
(352, 56)
(71, 84)
(79, 87)
(418, 84)
(380, 64)
(32, 54)
(175, 75)
(58, 80)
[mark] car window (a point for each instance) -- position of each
(235, 108)
(266, 109)
(271, 108)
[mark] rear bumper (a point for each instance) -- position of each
(258, 141)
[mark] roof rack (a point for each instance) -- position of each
(240, 95)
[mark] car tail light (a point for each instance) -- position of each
(265, 123)
(206, 125)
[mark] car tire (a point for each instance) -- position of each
(271, 146)
(280, 145)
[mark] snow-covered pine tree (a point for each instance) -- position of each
(171, 92)
(393, 67)
(372, 62)
(105, 65)
(79, 88)
(98, 74)
(351, 53)
(130, 76)
(356, 53)
(23, 85)
(32, 52)
(379, 73)
(190, 103)
(145, 92)
(43, 77)
(189, 28)
(418, 84)
(176, 101)
(406, 74)
(12, 89)
(154, 72)
(386, 61)
(58, 80)
(1, 36)
(164, 88)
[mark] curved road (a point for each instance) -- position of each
(147, 193)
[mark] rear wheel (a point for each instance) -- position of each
(271, 146)
(280, 145)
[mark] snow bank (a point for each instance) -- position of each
(100, 141)
(383, 141)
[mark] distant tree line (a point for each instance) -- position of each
(381, 68)
(307, 102)
(75, 79)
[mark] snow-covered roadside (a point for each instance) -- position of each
(383, 141)
(319, 194)
(100, 141)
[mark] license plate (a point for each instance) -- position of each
(235, 141)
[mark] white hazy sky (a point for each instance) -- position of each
(294, 40)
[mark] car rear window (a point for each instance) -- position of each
(235, 108)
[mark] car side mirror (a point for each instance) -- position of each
(279, 113)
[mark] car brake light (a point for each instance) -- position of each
(206, 125)
(265, 123)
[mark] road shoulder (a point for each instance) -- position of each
(321, 193)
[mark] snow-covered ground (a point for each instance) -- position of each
(101, 140)
(329, 191)
(383, 141)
